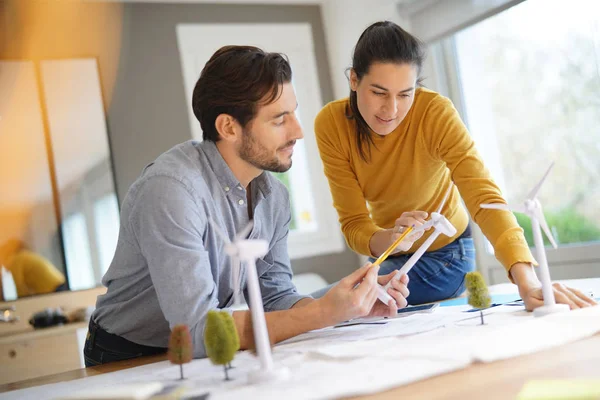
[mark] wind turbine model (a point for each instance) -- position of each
(247, 251)
(533, 209)
(440, 225)
(232, 251)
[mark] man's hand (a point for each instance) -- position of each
(530, 289)
(407, 219)
(399, 291)
(355, 296)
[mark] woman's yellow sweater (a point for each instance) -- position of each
(410, 169)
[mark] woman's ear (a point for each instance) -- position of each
(353, 80)
(227, 127)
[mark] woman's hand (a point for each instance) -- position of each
(534, 298)
(384, 238)
(530, 289)
(407, 219)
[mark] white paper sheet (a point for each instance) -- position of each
(359, 360)
(409, 325)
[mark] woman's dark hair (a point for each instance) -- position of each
(235, 81)
(383, 42)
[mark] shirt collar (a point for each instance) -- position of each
(229, 183)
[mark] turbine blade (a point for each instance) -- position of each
(243, 234)
(520, 208)
(495, 206)
(536, 189)
(218, 230)
(539, 214)
(439, 210)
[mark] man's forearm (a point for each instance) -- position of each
(304, 302)
(304, 316)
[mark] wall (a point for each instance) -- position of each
(141, 76)
(344, 21)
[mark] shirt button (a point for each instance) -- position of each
(241, 202)
(227, 188)
(240, 188)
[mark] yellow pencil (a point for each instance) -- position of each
(393, 246)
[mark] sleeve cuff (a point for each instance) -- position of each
(363, 244)
(512, 249)
(287, 302)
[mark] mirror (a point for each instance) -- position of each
(59, 221)
(27, 219)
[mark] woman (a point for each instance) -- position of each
(393, 147)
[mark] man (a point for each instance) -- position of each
(170, 265)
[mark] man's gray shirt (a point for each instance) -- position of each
(170, 266)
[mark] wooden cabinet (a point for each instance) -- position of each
(26, 353)
(48, 351)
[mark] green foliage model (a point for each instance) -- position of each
(478, 292)
(221, 339)
(180, 346)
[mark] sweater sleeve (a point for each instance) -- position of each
(447, 139)
(348, 198)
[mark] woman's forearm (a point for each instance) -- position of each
(380, 241)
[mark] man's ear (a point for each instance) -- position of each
(353, 80)
(227, 127)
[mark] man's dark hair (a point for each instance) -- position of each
(235, 81)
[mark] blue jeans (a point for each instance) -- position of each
(439, 274)
(102, 347)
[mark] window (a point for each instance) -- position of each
(529, 91)
(314, 228)
(106, 222)
(77, 253)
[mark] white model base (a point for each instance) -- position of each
(269, 375)
(554, 308)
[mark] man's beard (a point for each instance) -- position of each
(257, 155)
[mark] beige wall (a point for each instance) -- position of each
(141, 78)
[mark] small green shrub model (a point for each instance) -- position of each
(478, 292)
(221, 339)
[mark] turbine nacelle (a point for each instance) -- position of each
(532, 206)
(441, 223)
(252, 248)
(231, 249)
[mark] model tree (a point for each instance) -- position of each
(221, 339)
(479, 296)
(232, 332)
(180, 346)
